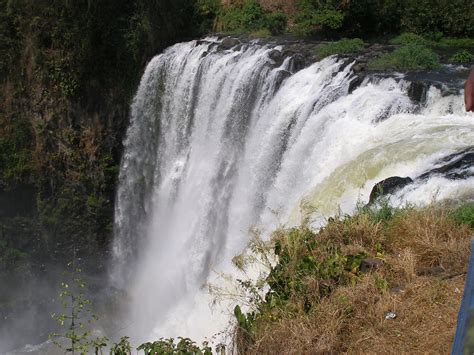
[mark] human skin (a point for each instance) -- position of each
(469, 91)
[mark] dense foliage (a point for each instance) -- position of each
(68, 70)
(245, 16)
(364, 18)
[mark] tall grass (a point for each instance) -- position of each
(324, 299)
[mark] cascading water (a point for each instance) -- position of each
(223, 140)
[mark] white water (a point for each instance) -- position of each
(221, 141)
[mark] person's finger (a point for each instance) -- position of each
(468, 95)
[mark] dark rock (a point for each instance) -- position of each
(229, 42)
(454, 166)
(274, 55)
(355, 83)
(359, 67)
(417, 92)
(396, 290)
(287, 53)
(237, 47)
(202, 41)
(388, 186)
(430, 271)
(297, 63)
(370, 264)
(281, 75)
(376, 47)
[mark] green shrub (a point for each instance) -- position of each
(263, 33)
(344, 46)
(451, 17)
(408, 57)
(15, 154)
(456, 42)
(464, 214)
(461, 57)
(8, 39)
(369, 17)
(207, 11)
(312, 17)
(168, 346)
(435, 36)
(10, 257)
(247, 16)
(432, 18)
(76, 318)
(381, 211)
(275, 22)
(409, 38)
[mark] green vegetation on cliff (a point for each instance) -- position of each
(68, 71)
(364, 18)
(408, 57)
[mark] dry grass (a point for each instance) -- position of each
(425, 255)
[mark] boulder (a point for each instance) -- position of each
(356, 81)
(455, 166)
(298, 62)
(274, 55)
(388, 186)
(229, 42)
(417, 92)
(359, 67)
(370, 264)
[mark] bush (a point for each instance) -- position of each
(408, 57)
(369, 17)
(208, 11)
(275, 22)
(456, 42)
(15, 154)
(464, 215)
(247, 16)
(312, 17)
(461, 57)
(344, 46)
(409, 38)
(263, 33)
(168, 346)
(451, 17)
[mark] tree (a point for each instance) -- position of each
(77, 315)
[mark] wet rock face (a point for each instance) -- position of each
(417, 91)
(18, 202)
(455, 166)
(388, 186)
(229, 42)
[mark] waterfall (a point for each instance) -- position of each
(223, 140)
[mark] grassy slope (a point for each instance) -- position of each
(320, 300)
